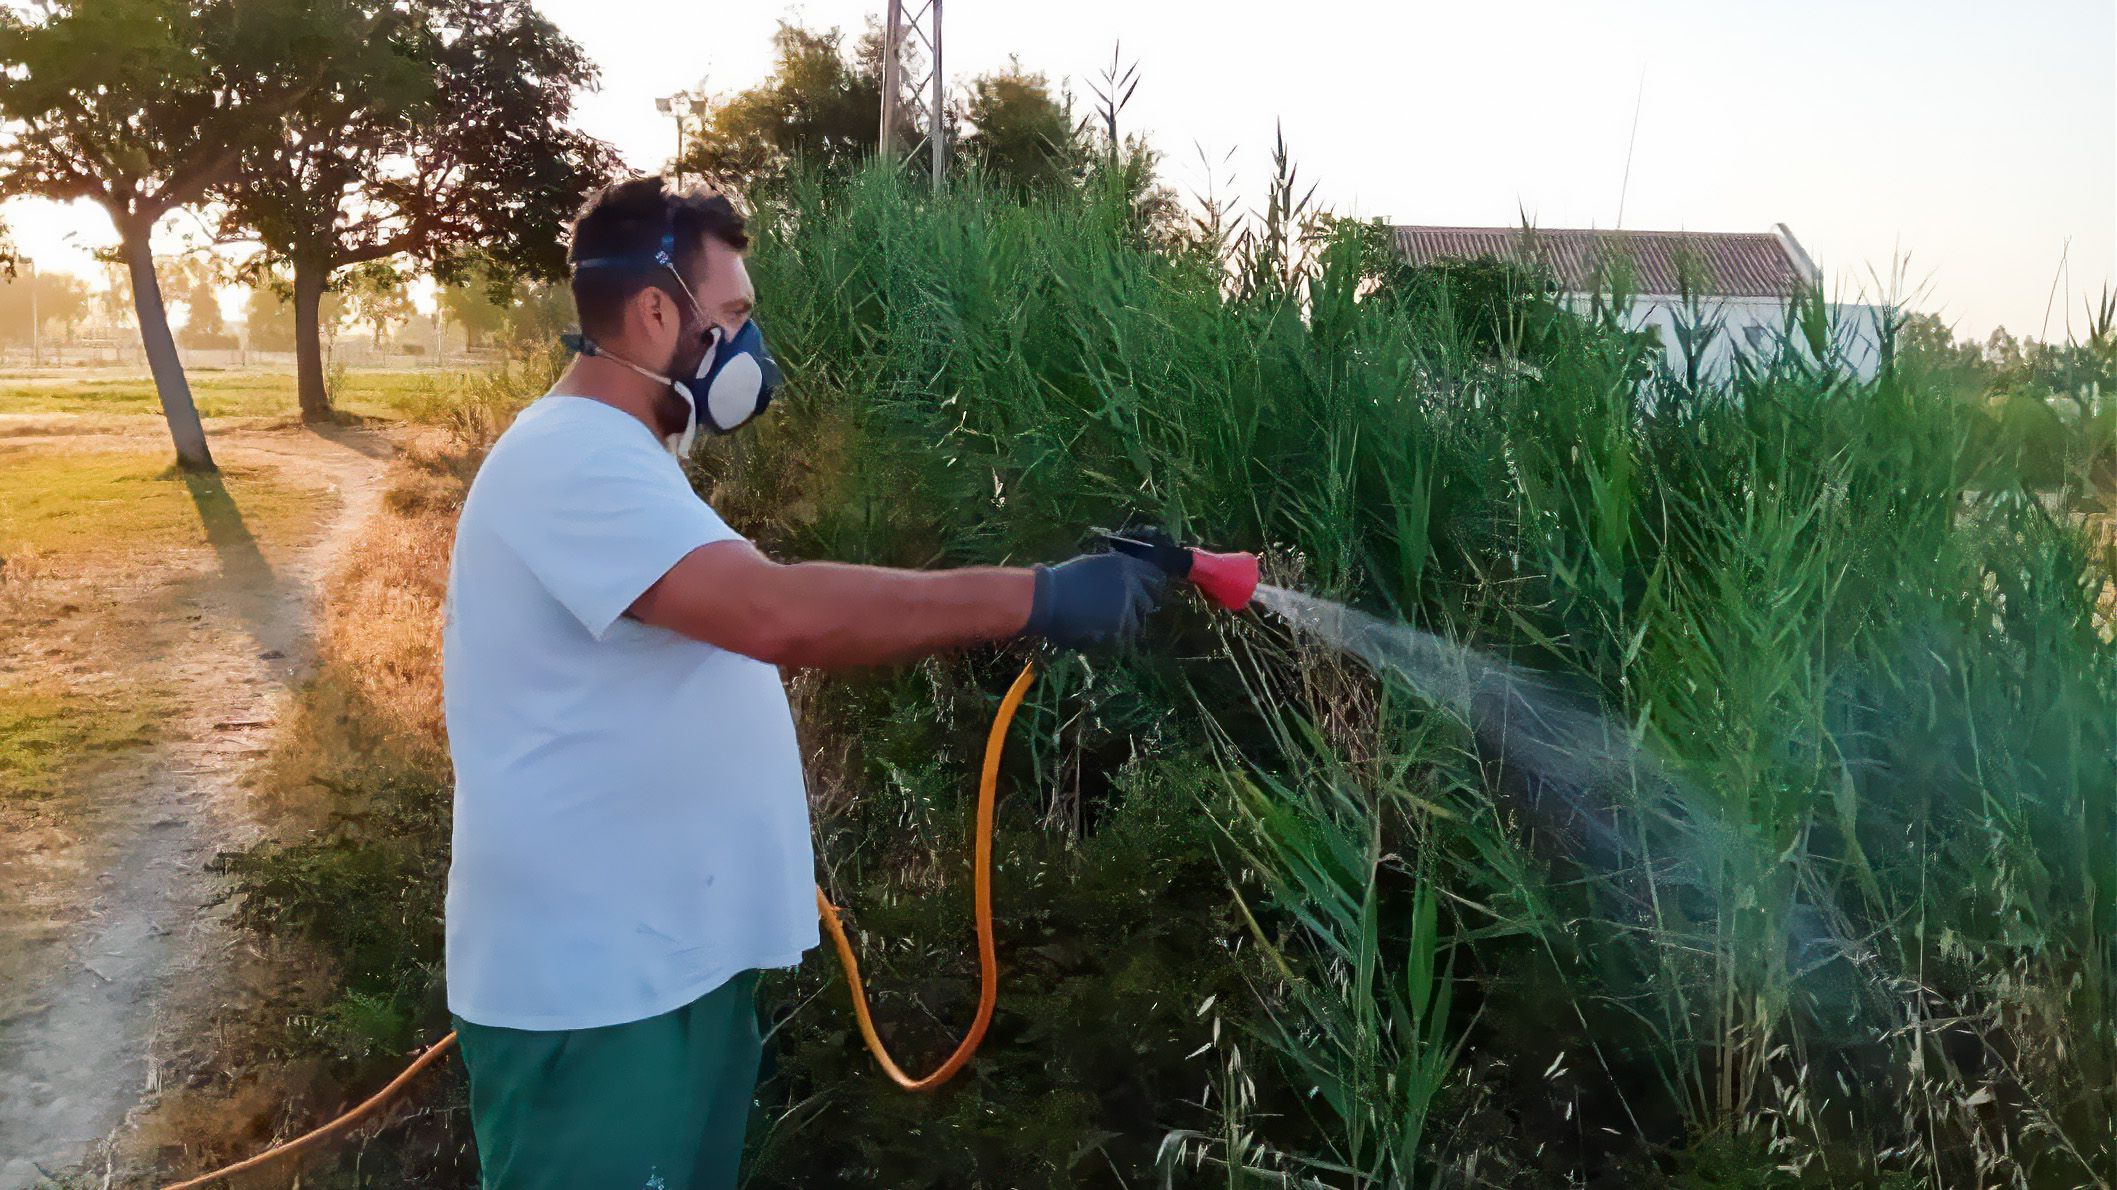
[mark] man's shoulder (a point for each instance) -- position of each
(581, 421)
(557, 434)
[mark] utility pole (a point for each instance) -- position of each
(36, 356)
(937, 108)
(892, 78)
(682, 105)
(928, 95)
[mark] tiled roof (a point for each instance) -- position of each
(1732, 264)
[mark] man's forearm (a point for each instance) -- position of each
(829, 614)
(838, 615)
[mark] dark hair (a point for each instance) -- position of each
(629, 218)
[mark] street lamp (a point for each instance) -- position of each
(683, 105)
(36, 355)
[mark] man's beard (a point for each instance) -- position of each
(671, 413)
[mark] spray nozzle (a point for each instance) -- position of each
(1226, 580)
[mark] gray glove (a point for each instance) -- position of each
(1083, 601)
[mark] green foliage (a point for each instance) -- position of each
(817, 106)
(402, 131)
(1108, 948)
(366, 893)
(2048, 423)
(1492, 307)
(142, 104)
(1265, 917)
(1020, 132)
(1878, 682)
(61, 302)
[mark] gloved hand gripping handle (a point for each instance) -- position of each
(1228, 581)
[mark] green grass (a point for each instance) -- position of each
(47, 731)
(240, 393)
(66, 502)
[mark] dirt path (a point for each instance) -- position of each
(108, 917)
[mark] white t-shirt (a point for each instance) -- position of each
(631, 825)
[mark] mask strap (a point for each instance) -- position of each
(663, 257)
(582, 344)
(685, 290)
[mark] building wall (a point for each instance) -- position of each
(1756, 328)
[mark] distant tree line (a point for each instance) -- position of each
(820, 109)
(332, 134)
(353, 142)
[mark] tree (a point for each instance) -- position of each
(819, 105)
(60, 298)
(268, 315)
(452, 133)
(142, 106)
(376, 297)
(1926, 345)
(493, 305)
(2003, 351)
(472, 303)
(1020, 130)
(204, 327)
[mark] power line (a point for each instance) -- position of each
(1630, 143)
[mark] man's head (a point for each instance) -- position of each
(644, 312)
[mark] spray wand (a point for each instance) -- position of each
(1228, 581)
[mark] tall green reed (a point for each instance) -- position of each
(1868, 654)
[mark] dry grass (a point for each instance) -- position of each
(2101, 528)
(377, 684)
(233, 1090)
(374, 699)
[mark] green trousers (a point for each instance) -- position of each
(658, 1104)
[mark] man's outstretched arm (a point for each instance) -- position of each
(832, 615)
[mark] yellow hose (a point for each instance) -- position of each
(981, 879)
(318, 1135)
(988, 974)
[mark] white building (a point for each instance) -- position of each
(1741, 286)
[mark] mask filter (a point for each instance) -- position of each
(735, 380)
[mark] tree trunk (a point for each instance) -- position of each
(308, 341)
(185, 428)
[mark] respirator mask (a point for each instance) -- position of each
(734, 379)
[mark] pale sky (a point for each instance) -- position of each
(1973, 140)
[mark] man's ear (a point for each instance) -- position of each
(649, 310)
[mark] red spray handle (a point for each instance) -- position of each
(1227, 581)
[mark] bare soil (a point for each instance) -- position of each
(112, 942)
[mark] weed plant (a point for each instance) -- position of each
(1269, 919)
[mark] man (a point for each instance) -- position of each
(631, 838)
